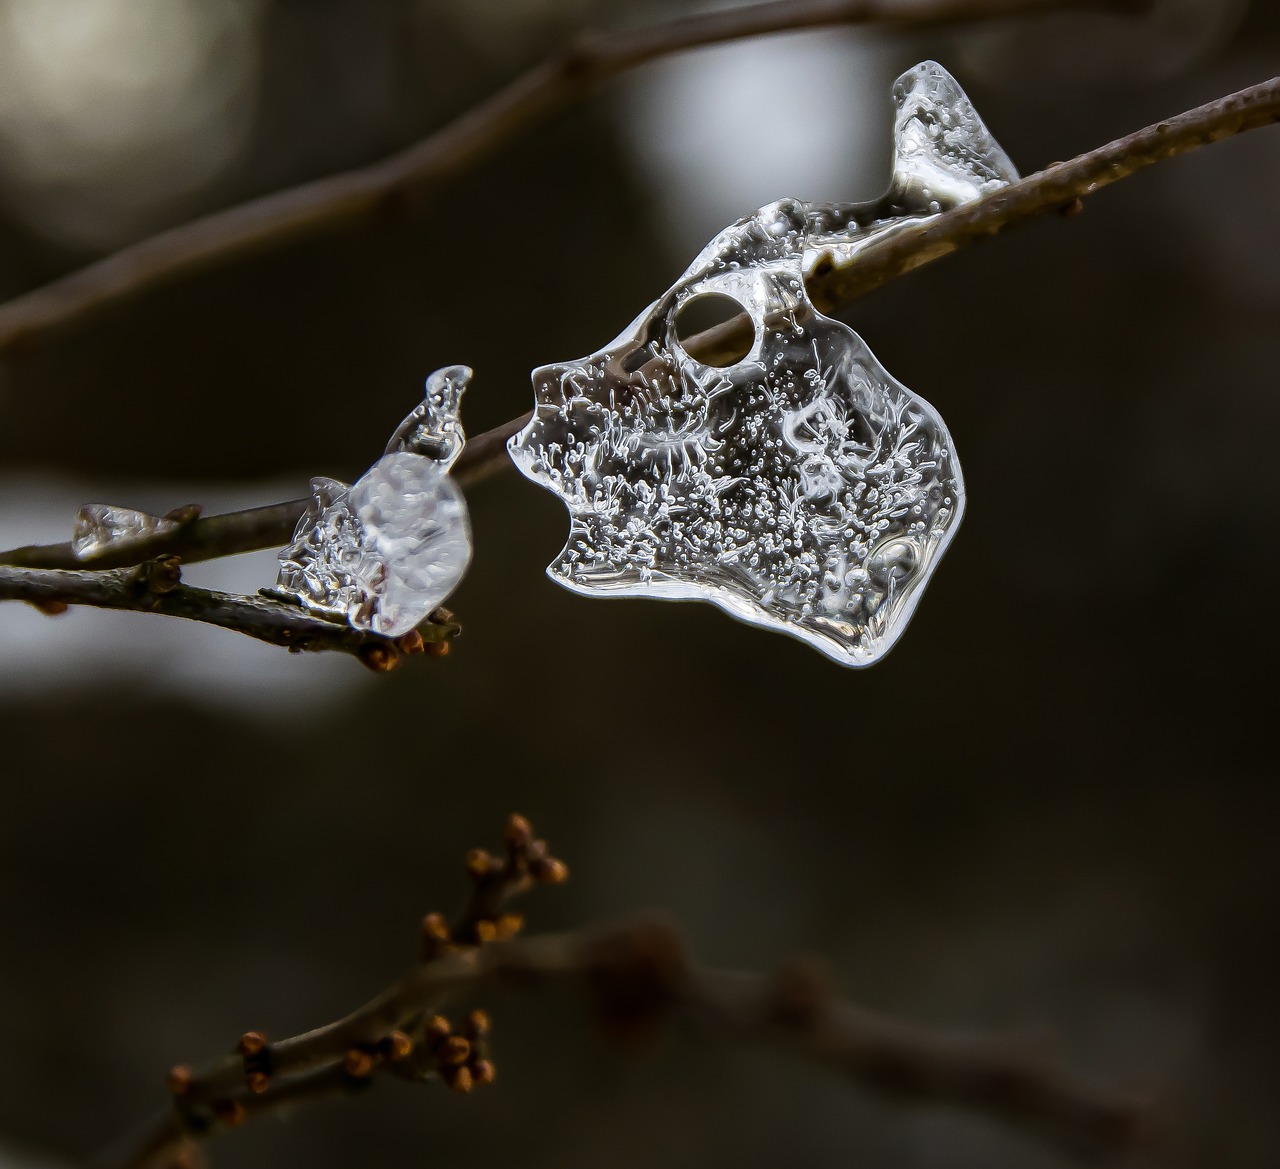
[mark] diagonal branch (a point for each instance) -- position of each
(636, 975)
(205, 538)
(832, 287)
(155, 587)
(412, 174)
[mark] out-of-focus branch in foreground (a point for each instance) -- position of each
(635, 976)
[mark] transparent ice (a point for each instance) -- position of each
(800, 488)
(383, 553)
(101, 525)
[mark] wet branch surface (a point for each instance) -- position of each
(636, 977)
(833, 287)
(394, 185)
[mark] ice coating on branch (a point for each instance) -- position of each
(383, 553)
(433, 428)
(942, 151)
(799, 487)
(99, 526)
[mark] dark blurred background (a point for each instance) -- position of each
(1053, 808)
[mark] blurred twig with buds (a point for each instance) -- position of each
(636, 976)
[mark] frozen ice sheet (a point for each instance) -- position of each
(798, 485)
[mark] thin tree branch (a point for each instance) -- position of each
(206, 538)
(1059, 187)
(155, 587)
(398, 1032)
(833, 287)
(269, 526)
(636, 976)
(410, 175)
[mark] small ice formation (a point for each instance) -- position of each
(384, 552)
(100, 526)
(796, 485)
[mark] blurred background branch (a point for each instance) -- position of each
(389, 187)
(636, 975)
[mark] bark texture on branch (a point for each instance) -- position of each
(155, 587)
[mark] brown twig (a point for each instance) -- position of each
(495, 880)
(636, 975)
(1007, 1076)
(155, 587)
(833, 287)
(1056, 188)
(415, 172)
(399, 1032)
(269, 526)
(205, 538)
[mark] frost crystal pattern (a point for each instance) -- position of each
(386, 551)
(800, 488)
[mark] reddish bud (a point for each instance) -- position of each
(435, 934)
(549, 871)
(435, 926)
(460, 1079)
(507, 926)
(453, 1050)
(411, 643)
(379, 656)
(180, 1079)
(518, 834)
(252, 1043)
(399, 1045)
(184, 514)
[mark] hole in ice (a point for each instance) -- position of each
(714, 310)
